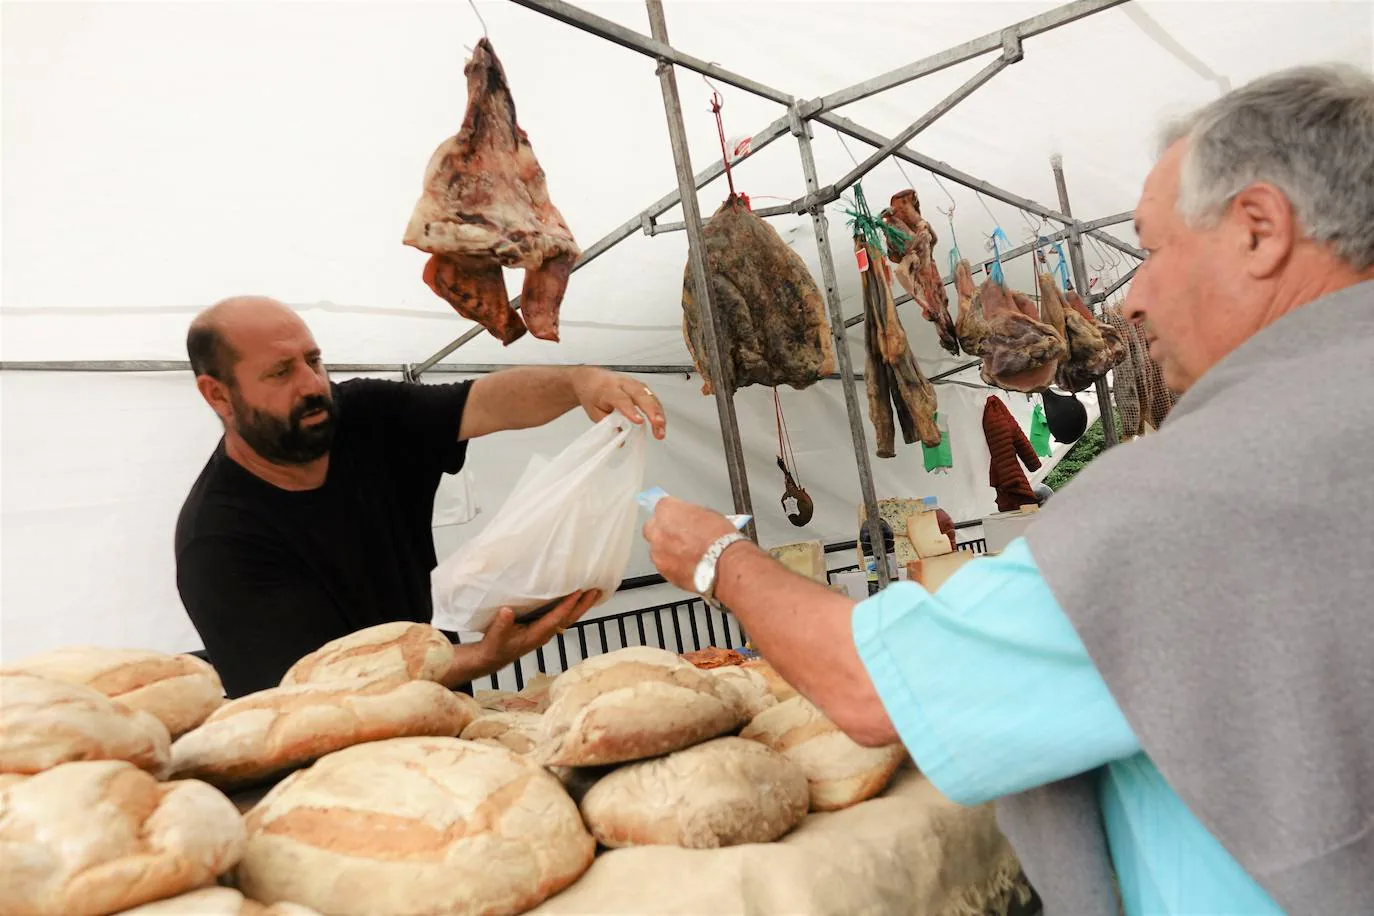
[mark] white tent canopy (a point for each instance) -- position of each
(160, 156)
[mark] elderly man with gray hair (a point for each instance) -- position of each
(1168, 684)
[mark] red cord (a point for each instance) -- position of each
(716, 103)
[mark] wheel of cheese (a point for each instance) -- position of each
(516, 731)
(841, 773)
(413, 651)
(45, 722)
(415, 826)
(634, 703)
(216, 901)
(269, 732)
(179, 690)
(780, 689)
(754, 694)
(92, 838)
(721, 793)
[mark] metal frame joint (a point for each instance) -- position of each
(1012, 51)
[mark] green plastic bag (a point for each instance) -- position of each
(1040, 432)
(938, 458)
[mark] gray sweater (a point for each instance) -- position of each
(1221, 575)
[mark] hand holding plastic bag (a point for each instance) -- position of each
(568, 526)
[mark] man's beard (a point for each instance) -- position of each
(287, 441)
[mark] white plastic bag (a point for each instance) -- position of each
(568, 526)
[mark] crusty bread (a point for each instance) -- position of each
(414, 651)
(722, 793)
(841, 772)
(753, 691)
(414, 826)
(782, 690)
(268, 732)
(517, 731)
(634, 703)
(533, 698)
(216, 901)
(179, 690)
(44, 722)
(97, 837)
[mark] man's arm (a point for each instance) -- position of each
(531, 396)
(800, 626)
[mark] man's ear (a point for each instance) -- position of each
(216, 394)
(1270, 228)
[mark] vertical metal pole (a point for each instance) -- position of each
(802, 129)
(701, 286)
(1080, 280)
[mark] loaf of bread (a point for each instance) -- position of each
(517, 731)
(178, 690)
(841, 772)
(780, 689)
(533, 698)
(413, 651)
(97, 837)
(722, 793)
(753, 691)
(632, 704)
(44, 722)
(413, 826)
(269, 732)
(216, 901)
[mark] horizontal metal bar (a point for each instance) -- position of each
(1126, 278)
(780, 127)
(1026, 28)
(171, 365)
(644, 44)
(763, 212)
(946, 104)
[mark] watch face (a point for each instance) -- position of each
(701, 579)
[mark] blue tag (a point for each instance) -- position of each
(650, 497)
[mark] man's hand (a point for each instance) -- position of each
(601, 392)
(506, 640)
(679, 534)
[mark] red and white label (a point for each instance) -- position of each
(861, 255)
(739, 147)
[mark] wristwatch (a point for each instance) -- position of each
(704, 579)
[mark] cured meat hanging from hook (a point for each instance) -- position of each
(773, 326)
(1093, 347)
(485, 206)
(914, 265)
(894, 381)
(796, 502)
(1019, 351)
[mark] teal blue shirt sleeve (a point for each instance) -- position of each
(986, 681)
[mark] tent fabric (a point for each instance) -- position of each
(160, 156)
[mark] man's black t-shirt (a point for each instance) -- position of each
(268, 575)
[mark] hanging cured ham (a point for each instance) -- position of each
(1093, 346)
(773, 327)
(1020, 352)
(485, 206)
(915, 265)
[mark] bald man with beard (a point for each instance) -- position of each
(312, 517)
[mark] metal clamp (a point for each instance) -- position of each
(1011, 47)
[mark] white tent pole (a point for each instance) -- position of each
(712, 335)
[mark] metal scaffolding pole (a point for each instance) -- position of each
(1080, 279)
(821, 225)
(1026, 28)
(712, 336)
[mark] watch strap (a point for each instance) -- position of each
(712, 557)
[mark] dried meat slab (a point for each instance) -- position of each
(485, 206)
(774, 329)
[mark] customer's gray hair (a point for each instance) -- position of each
(1308, 131)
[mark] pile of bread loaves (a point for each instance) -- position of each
(387, 793)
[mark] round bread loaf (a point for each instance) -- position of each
(179, 690)
(413, 651)
(264, 733)
(780, 689)
(634, 703)
(44, 722)
(216, 901)
(722, 793)
(416, 826)
(753, 691)
(91, 838)
(841, 772)
(516, 731)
